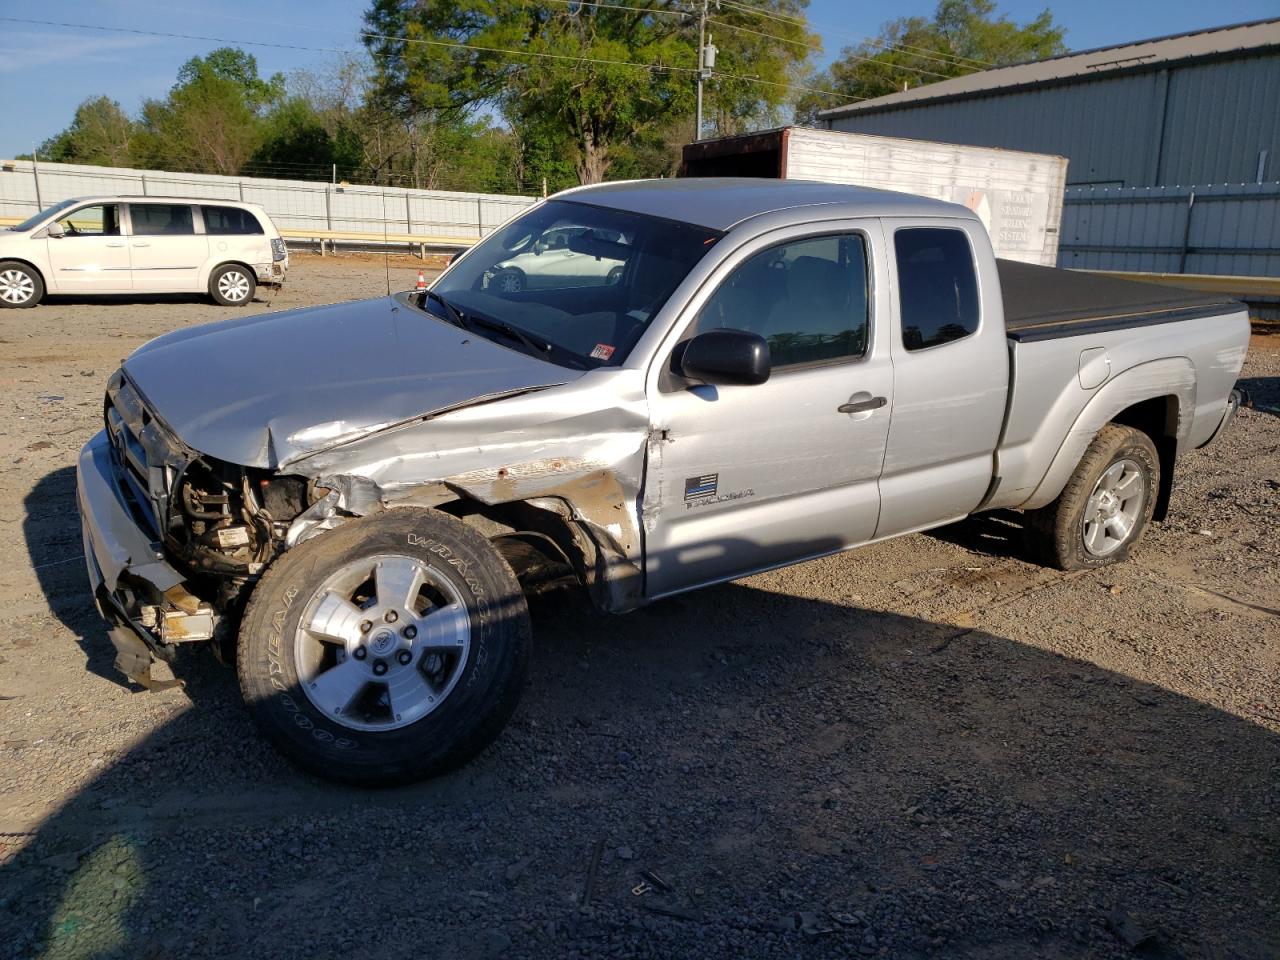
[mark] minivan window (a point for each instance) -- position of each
(43, 215)
(161, 219)
(938, 289)
(230, 220)
(99, 220)
(807, 298)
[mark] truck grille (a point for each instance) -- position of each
(138, 444)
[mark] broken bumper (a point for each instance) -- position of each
(271, 274)
(136, 591)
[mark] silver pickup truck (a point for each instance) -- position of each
(351, 502)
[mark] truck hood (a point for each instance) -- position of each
(266, 390)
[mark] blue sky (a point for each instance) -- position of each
(45, 71)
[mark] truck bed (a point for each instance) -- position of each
(1043, 303)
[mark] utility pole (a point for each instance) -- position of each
(706, 63)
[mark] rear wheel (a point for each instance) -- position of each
(390, 649)
(20, 285)
(1105, 506)
(508, 281)
(232, 285)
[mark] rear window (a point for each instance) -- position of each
(230, 220)
(938, 287)
(161, 219)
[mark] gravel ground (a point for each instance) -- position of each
(929, 747)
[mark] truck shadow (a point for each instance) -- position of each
(1264, 392)
(809, 777)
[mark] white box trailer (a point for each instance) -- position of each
(1018, 195)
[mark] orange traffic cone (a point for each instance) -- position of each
(422, 281)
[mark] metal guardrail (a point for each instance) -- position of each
(1212, 283)
(354, 237)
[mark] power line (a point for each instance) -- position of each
(937, 55)
(379, 36)
(622, 6)
(853, 56)
(441, 43)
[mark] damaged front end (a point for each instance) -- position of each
(175, 539)
(172, 538)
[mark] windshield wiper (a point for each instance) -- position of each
(515, 333)
(455, 316)
(469, 322)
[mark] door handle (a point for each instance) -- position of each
(863, 406)
(142, 244)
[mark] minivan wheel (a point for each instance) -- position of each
(510, 280)
(1105, 506)
(231, 285)
(390, 649)
(20, 285)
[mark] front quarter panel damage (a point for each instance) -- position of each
(577, 451)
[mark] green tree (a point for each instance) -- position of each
(100, 133)
(963, 36)
(213, 119)
(576, 82)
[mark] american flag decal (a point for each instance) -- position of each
(701, 488)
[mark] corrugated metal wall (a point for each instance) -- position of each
(1198, 123)
(1144, 142)
(292, 204)
(1232, 229)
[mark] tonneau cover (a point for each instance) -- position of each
(1045, 302)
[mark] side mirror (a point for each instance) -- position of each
(726, 357)
(55, 231)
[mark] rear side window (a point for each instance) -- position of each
(230, 220)
(938, 290)
(161, 219)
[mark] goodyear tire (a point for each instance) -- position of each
(388, 650)
(1104, 508)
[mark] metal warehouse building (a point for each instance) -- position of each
(1173, 143)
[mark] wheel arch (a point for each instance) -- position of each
(32, 265)
(231, 262)
(1157, 397)
(1158, 418)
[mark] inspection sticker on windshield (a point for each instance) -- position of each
(602, 351)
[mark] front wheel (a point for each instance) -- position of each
(232, 285)
(20, 285)
(1105, 506)
(391, 649)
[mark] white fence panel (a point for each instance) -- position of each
(294, 205)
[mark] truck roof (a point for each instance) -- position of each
(719, 203)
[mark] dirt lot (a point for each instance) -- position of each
(930, 747)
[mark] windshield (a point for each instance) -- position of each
(32, 221)
(583, 281)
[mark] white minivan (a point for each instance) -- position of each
(120, 245)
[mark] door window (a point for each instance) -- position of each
(938, 290)
(161, 219)
(99, 220)
(807, 298)
(223, 221)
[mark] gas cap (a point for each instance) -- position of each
(1095, 367)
